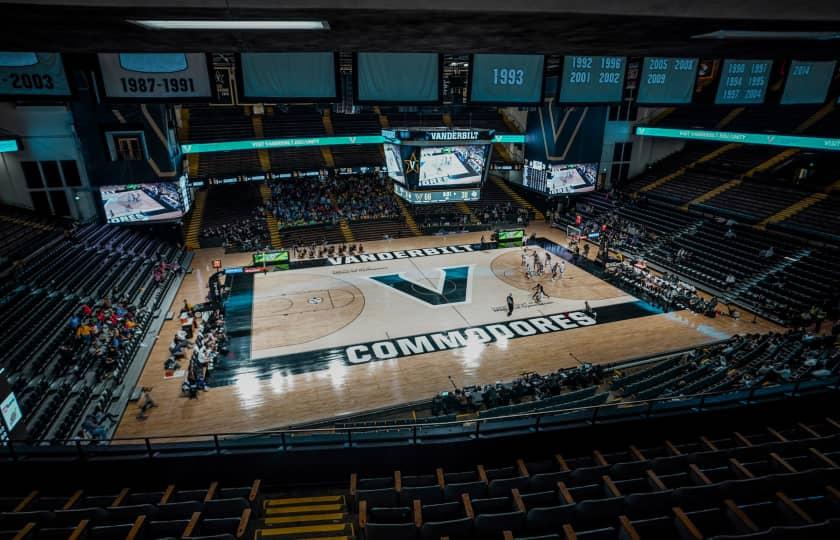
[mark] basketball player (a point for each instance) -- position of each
(539, 292)
(562, 268)
(510, 304)
(554, 271)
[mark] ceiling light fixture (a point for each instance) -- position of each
(222, 24)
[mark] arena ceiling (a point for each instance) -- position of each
(632, 27)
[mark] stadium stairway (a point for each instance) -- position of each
(814, 118)
(326, 152)
(538, 216)
(325, 517)
(713, 193)
(792, 210)
(265, 158)
(194, 223)
(661, 115)
(383, 119)
(409, 219)
(346, 231)
(679, 172)
(270, 220)
(733, 114)
(464, 209)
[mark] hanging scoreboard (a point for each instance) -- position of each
(743, 82)
(397, 77)
(808, 82)
(506, 79)
(667, 81)
(297, 76)
(592, 79)
(31, 74)
(155, 76)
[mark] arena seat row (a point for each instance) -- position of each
(50, 287)
(746, 482)
(222, 512)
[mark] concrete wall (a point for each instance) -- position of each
(46, 134)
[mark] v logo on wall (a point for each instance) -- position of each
(453, 287)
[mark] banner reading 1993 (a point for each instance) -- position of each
(155, 76)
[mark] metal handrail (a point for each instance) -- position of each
(15, 448)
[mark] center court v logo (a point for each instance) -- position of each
(453, 287)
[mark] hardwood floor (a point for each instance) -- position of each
(254, 403)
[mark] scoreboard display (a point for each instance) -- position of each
(155, 76)
(592, 79)
(515, 79)
(667, 81)
(397, 77)
(743, 82)
(431, 197)
(25, 74)
(309, 76)
(808, 82)
(265, 258)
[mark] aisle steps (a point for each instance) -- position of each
(726, 186)
(193, 229)
(793, 209)
(270, 220)
(322, 517)
(346, 231)
(538, 216)
(409, 219)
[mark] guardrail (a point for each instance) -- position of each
(458, 430)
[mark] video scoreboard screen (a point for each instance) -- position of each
(294, 76)
(397, 77)
(592, 79)
(667, 81)
(270, 258)
(155, 76)
(515, 79)
(445, 166)
(33, 74)
(133, 203)
(560, 178)
(510, 237)
(743, 82)
(808, 82)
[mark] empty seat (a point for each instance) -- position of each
(390, 531)
(17, 520)
(443, 512)
(475, 490)
(109, 532)
(455, 528)
(425, 494)
(540, 499)
(68, 518)
(546, 481)
(492, 525)
(460, 477)
(503, 487)
(597, 512)
(492, 505)
(197, 495)
(419, 480)
(175, 511)
(376, 483)
(549, 519)
(648, 505)
(224, 508)
(217, 526)
(377, 497)
(167, 529)
(397, 514)
(127, 514)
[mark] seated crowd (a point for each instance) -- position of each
(201, 342)
(329, 199)
(248, 234)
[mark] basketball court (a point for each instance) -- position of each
(357, 335)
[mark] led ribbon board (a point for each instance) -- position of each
(766, 139)
(9, 145)
(32, 74)
(263, 144)
(430, 197)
